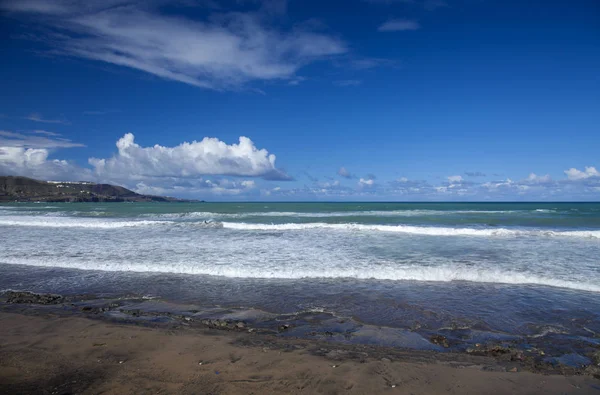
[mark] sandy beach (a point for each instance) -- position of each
(44, 353)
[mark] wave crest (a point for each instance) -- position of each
(416, 230)
(384, 271)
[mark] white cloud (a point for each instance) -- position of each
(38, 118)
(397, 25)
(35, 140)
(187, 160)
(366, 182)
(327, 185)
(198, 188)
(534, 178)
(498, 184)
(175, 171)
(248, 184)
(402, 180)
(225, 50)
(344, 173)
(455, 179)
(574, 174)
(34, 163)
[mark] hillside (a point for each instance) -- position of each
(23, 189)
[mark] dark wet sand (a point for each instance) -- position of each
(49, 354)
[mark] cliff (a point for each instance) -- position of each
(23, 189)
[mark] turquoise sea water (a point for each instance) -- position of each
(498, 268)
(555, 244)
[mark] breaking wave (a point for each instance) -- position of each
(358, 272)
(416, 230)
(57, 221)
(69, 222)
(332, 214)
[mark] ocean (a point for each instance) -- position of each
(475, 272)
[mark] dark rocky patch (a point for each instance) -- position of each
(32, 298)
(226, 325)
(439, 340)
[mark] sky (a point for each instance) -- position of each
(263, 100)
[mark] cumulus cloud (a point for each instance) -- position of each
(397, 25)
(188, 160)
(27, 153)
(455, 179)
(575, 174)
(224, 50)
(181, 170)
(343, 172)
(532, 188)
(493, 185)
(34, 163)
(367, 181)
(534, 178)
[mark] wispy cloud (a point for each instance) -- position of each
(34, 140)
(36, 117)
(347, 82)
(310, 177)
(95, 112)
(397, 25)
(46, 133)
(474, 174)
(429, 5)
(387, 2)
(371, 63)
(224, 50)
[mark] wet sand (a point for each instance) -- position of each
(54, 354)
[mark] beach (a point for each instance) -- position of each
(474, 291)
(44, 353)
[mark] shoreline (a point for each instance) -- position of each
(57, 346)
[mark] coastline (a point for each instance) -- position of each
(55, 346)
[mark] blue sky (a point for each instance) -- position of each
(354, 100)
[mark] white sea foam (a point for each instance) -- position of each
(332, 214)
(69, 222)
(58, 221)
(370, 272)
(416, 230)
